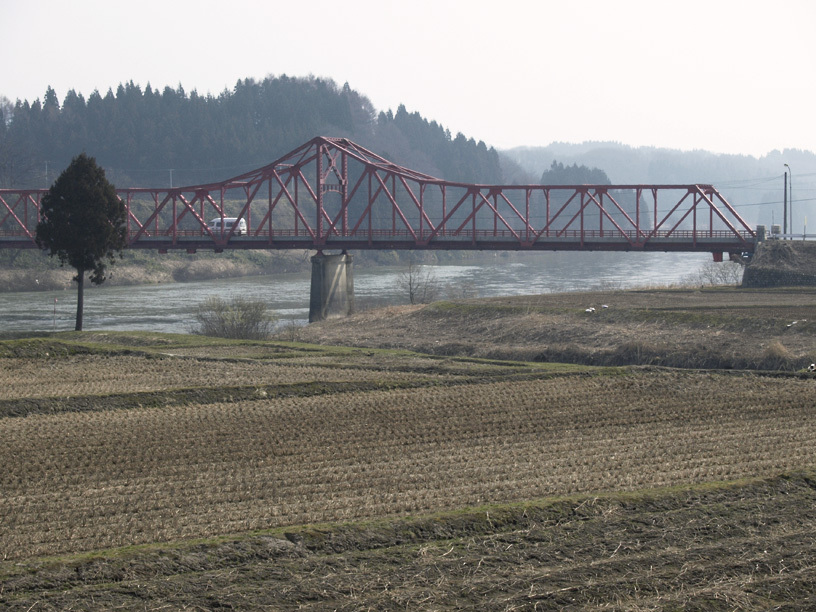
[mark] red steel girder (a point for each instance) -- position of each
(333, 193)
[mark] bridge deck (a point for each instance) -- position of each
(385, 240)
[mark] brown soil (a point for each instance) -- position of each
(745, 546)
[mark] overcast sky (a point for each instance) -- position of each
(720, 75)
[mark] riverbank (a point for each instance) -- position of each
(776, 263)
(34, 271)
(39, 273)
(715, 327)
(782, 263)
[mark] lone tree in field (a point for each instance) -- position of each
(82, 221)
(419, 282)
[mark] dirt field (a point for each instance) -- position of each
(744, 546)
(337, 477)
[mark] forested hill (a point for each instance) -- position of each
(151, 138)
(146, 137)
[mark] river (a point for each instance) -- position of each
(170, 307)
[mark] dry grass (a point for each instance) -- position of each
(104, 374)
(724, 328)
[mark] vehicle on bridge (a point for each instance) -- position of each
(229, 222)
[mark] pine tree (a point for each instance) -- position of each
(82, 222)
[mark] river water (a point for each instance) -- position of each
(171, 307)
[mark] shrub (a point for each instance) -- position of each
(419, 282)
(718, 273)
(777, 357)
(241, 318)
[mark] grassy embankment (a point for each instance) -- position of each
(711, 327)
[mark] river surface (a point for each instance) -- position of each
(171, 307)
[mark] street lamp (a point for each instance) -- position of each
(791, 197)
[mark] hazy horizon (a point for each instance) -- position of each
(724, 77)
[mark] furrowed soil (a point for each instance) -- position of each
(427, 458)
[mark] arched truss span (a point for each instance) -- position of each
(331, 193)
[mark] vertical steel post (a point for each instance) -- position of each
(600, 212)
(581, 213)
(127, 215)
(295, 205)
(473, 220)
(527, 193)
(694, 219)
(421, 210)
(249, 215)
(268, 206)
(495, 216)
(319, 194)
(370, 206)
(654, 225)
(444, 209)
(547, 220)
(344, 190)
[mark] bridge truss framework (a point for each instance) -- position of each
(331, 193)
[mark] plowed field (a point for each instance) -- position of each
(530, 485)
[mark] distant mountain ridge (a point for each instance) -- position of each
(627, 164)
(753, 185)
(147, 137)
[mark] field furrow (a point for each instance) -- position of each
(81, 481)
(107, 374)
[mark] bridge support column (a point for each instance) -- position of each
(332, 287)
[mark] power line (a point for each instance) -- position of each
(774, 202)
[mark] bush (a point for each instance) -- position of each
(240, 318)
(777, 357)
(419, 282)
(718, 273)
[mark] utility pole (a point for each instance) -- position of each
(785, 209)
(791, 196)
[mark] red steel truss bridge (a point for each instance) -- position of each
(331, 193)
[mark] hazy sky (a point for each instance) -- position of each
(725, 76)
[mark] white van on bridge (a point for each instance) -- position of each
(215, 225)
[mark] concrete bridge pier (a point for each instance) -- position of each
(332, 293)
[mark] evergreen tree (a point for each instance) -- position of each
(140, 134)
(82, 222)
(559, 174)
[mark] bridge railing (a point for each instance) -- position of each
(413, 236)
(465, 239)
